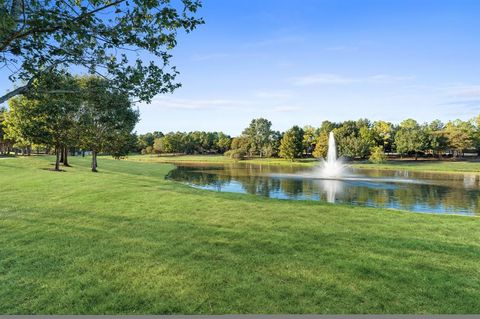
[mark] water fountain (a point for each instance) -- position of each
(332, 167)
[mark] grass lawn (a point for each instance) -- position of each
(127, 241)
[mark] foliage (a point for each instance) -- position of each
(410, 138)
(105, 119)
(45, 118)
(354, 138)
(98, 36)
(377, 155)
(383, 134)
(260, 137)
(437, 139)
(460, 136)
(236, 154)
(291, 146)
(310, 137)
(321, 147)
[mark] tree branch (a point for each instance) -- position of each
(18, 35)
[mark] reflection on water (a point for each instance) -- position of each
(414, 191)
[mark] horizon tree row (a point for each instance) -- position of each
(358, 139)
(196, 142)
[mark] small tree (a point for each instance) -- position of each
(106, 117)
(321, 147)
(377, 155)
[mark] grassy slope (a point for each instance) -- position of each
(426, 166)
(127, 241)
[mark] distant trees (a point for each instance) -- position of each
(436, 138)
(291, 145)
(309, 140)
(410, 138)
(354, 138)
(196, 142)
(360, 139)
(101, 119)
(460, 135)
(383, 134)
(260, 137)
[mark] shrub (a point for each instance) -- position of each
(377, 155)
(235, 154)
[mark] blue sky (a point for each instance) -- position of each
(302, 62)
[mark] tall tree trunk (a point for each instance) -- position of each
(416, 155)
(57, 158)
(65, 156)
(94, 161)
(61, 154)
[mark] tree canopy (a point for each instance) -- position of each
(125, 41)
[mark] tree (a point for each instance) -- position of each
(354, 138)
(410, 138)
(310, 137)
(238, 148)
(159, 145)
(383, 134)
(259, 135)
(460, 135)
(476, 122)
(437, 141)
(223, 142)
(45, 118)
(145, 140)
(377, 155)
(321, 147)
(291, 146)
(105, 117)
(98, 36)
(5, 143)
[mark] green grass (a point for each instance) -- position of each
(220, 159)
(127, 241)
(446, 166)
(426, 166)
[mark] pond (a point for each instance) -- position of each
(413, 191)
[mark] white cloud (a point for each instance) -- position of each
(335, 79)
(192, 104)
(286, 109)
(275, 94)
(470, 91)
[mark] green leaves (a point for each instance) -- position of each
(77, 33)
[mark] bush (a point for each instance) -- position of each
(377, 155)
(235, 154)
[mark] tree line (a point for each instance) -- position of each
(97, 118)
(360, 139)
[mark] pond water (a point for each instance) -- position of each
(406, 190)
